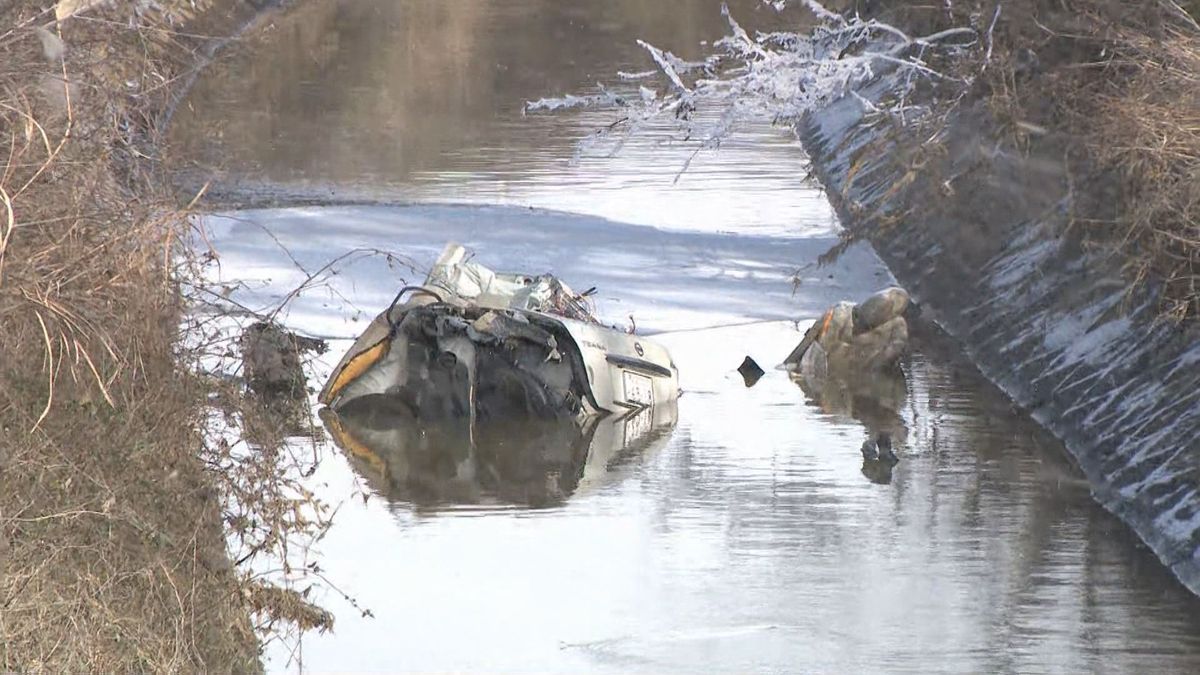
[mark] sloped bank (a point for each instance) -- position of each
(113, 554)
(1048, 318)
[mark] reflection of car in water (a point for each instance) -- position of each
(533, 462)
(505, 374)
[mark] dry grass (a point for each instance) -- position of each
(112, 550)
(1115, 83)
(1146, 130)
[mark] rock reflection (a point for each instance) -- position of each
(875, 401)
(517, 462)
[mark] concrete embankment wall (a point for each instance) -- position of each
(979, 235)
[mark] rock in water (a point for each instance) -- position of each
(271, 358)
(848, 339)
(880, 308)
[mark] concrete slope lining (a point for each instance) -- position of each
(1045, 316)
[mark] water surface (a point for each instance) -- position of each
(423, 101)
(751, 537)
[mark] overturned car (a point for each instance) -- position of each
(475, 347)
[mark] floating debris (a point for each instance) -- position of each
(272, 360)
(750, 371)
(864, 338)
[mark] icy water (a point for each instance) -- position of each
(750, 536)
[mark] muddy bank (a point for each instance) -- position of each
(986, 250)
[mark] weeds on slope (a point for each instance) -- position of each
(116, 505)
(1115, 83)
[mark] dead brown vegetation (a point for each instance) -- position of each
(112, 550)
(1113, 86)
(1146, 131)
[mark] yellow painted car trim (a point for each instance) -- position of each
(356, 367)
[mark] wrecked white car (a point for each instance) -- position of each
(470, 344)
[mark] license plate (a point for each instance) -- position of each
(638, 389)
(637, 425)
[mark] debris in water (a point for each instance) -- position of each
(271, 357)
(865, 338)
(874, 400)
(879, 459)
(886, 454)
(877, 471)
(750, 371)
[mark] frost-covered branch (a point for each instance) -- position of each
(777, 76)
(667, 65)
(738, 41)
(605, 99)
(990, 31)
(824, 14)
